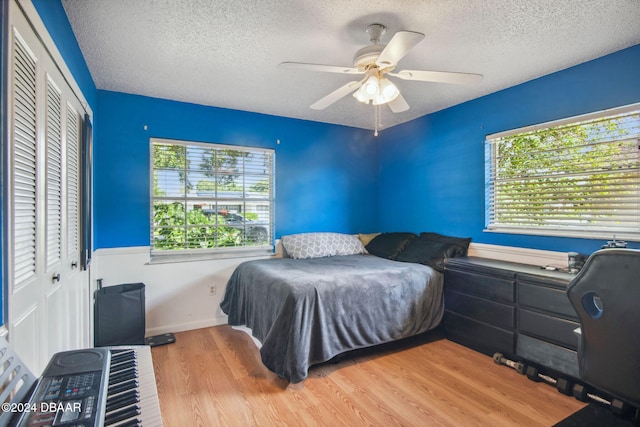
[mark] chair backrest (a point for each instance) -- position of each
(606, 297)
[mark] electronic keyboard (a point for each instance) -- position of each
(104, 386)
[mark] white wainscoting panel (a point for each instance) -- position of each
(177, 295)
(27, 346)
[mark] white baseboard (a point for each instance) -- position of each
(172, 328)
(521, 255)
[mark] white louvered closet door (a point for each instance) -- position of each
(79, 295)
(55, 292)
(48, 302)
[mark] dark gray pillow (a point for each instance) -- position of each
(459, 245)
(389, 245)
(432, 249)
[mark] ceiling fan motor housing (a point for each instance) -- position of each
(367, 56)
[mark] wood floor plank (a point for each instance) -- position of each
(214, 376)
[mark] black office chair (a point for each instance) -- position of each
(606, 297)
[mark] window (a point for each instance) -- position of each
(211, 198)
(578, 177)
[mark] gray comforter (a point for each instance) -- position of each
(306, 311)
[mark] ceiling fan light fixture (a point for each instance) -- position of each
(371, 87)
(380, 100)
(360, 96)
(376, 91)
(388, 90)
(369, 91)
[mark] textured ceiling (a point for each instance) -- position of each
(225, 53)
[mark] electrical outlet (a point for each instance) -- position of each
(212, 290)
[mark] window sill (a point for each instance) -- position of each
(210, 256)
(594, 235)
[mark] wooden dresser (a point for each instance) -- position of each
(516, 309)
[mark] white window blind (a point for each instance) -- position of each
(577, 177)
(210, 198)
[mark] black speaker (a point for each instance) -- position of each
(119, 315)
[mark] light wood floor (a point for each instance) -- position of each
(214, 376)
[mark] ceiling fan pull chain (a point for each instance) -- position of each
(376, 116)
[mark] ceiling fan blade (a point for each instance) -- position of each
(398, 105)
(319, 67)
(438, 76)
(336, 95)
(399, 45)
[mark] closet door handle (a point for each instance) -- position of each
(74, 265)
(55, 278)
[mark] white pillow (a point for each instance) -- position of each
(316, 245)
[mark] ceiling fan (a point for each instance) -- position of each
(376, 62)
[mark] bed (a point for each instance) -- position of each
(309, 307)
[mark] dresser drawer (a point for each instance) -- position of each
(549, 328)
(547, 278)
(479, 336)
(547, 354)
(547, 299)
(483, 310)
(499, 289)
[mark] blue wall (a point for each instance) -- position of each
(326, 175)
(430, 174)
(433, 167)
(55, 20)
